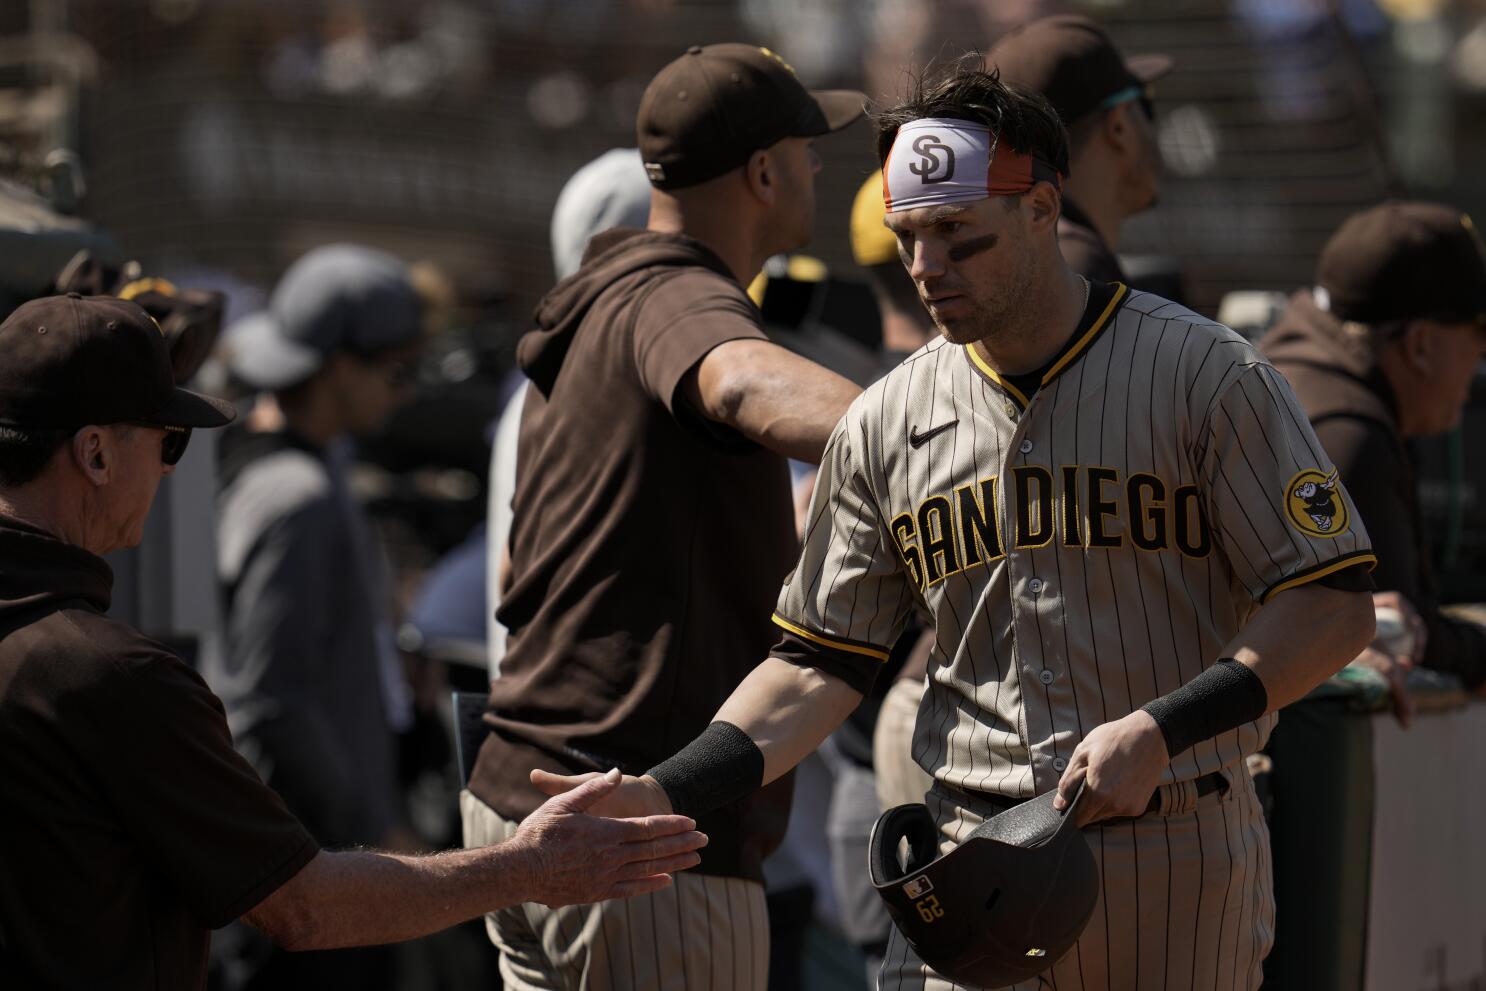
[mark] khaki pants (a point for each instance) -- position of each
(900, 781)
(1186, 901)
(702, 932)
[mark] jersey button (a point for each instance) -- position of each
(1036, 585)
(1046, 677)
(1026, 447)
(1059, 763)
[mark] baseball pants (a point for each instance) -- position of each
(1186, 901)
(702, 932)
(900, 780)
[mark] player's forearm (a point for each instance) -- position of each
(1301, 637)
(773, 719)
(772, 396)
(362, 898)
(788, 710)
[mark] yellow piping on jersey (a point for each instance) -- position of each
(1121, 290)
(1345, 562)
(826, 641)
(991, 374)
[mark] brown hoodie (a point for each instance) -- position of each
(647, 544)
(129, 825)
(1353, 409)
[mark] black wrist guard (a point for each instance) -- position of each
(719, 767)
(1223, 697)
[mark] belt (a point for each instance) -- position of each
(1203, 786)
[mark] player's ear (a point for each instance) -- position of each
(1043, 204)
(93, 454)
(1417, 344)
(761, 177)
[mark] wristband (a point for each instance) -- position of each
(718, 768)
(1223, 697)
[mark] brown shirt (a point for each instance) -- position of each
(1083, 249)
(129, 827)
(647, 545)
(1351, 406)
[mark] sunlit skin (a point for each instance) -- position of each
(990, 274)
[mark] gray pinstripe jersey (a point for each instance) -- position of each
(1079, 553)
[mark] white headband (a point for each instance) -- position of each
(935, 161)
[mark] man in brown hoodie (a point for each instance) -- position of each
(652, 519)
(1384, 349)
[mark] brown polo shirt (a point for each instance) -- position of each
(647, 545)
(129, 827)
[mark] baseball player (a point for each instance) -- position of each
(1086, 490)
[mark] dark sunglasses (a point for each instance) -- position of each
(173, 444)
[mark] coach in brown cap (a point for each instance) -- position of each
(1104, 101)
(653, 518)
(130, 826)
(1385, 348)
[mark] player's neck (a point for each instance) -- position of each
(722, 230)
(1099, 204)
(1050, 312)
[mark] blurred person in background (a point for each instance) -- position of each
(1384, 348)
(305, 661)
(610, 191)
(652, 515)
(130, 825)
(1114, 164)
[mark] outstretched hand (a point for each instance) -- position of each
(1120, 764)
(632, 796)
(577, 856)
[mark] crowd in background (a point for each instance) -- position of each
(361, 503)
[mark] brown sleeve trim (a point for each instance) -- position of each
(1320, 571)
(858, 671)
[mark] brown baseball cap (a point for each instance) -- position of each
(1405, 261)
(74, 360)
(710, 109)
(1071, 61)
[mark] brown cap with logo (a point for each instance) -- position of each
(710, 109)
(1405, 261)
(72, 360)
(1071, 61)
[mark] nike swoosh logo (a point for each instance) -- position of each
(916, 439)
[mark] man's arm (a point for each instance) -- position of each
(785, 709)
(1295, 642)
(770, 395)
(559, 856)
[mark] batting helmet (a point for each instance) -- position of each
(999, 908)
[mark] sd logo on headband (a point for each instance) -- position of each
(937, 160)
(927, 168)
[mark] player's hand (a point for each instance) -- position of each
(1415, 631)
(576, 857)
(1396, 670)
(1120, 764)
(642, 796)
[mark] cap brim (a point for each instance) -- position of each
(840, 107)
(263, 358)
(1149, 68)
(192, 409)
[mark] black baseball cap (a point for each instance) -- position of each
(74, 360)
(710, 109)
(1071, 61)
(1405, 261)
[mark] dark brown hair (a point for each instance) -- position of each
(964, 90)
